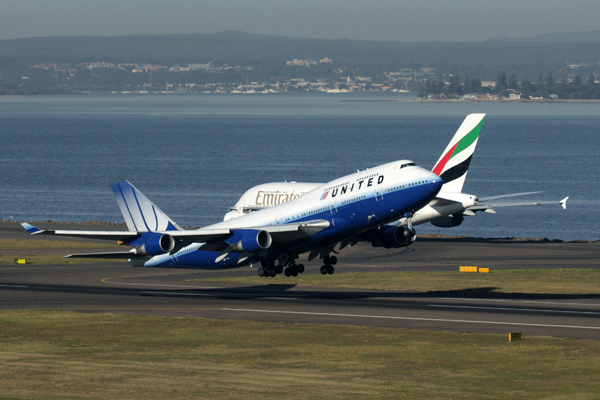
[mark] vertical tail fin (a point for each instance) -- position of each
(141, 214)
(454, 163)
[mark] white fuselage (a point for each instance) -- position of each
(275, 193)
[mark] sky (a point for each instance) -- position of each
(388, 20)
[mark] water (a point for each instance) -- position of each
(194, 155)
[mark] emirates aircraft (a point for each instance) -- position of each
(447, 209)
(359, 205)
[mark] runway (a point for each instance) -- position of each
(119, 288)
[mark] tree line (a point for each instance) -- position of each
(543, 88)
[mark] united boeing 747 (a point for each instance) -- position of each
(332, 213)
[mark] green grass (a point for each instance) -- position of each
(547, 281)
(37, 251)
(99, 356)
(33, 244)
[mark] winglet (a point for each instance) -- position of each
(32, 229)
(563, 202)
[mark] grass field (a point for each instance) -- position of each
(50, 251)
(547, 281)
(58, 355)
(63, 355)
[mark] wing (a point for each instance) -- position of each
(488, 207)
(153, 243)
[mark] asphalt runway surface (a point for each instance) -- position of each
(117, 287)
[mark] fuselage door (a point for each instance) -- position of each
(279, 219)
(379, 193)
(333, 207)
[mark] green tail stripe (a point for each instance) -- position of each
(468, 139)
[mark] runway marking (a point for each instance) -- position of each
(20, 286)
(514, 309)
(106, 280)
(521, 301)
(280, 298)
(243, 296)
(411, 318)
(183, 294)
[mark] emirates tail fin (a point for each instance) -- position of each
(454, 162)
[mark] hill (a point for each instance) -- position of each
(243, 47)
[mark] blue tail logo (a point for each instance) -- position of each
(141, 215)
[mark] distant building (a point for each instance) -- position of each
(194, 67)
(45, 66)
(98, 65)
(301, 63)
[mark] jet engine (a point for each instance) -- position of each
(393, 237)
(253, 241)
(448, 221)
(157, 244)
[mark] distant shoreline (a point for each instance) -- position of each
(477, 101)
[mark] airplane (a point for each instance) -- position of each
(361, 203)
(446, 210)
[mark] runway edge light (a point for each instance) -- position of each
(514, 336)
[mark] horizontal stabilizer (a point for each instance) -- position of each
(120, 255)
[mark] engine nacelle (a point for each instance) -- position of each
(393, 237)
(157, 244)
(253, 241)
(448, 221)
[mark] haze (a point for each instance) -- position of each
(391, 20)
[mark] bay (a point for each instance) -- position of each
(194, 155)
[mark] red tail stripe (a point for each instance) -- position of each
(440, 166)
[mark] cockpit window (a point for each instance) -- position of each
(412, 164)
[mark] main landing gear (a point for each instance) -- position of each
(329, 262)
(269, 270)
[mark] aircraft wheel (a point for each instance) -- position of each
(294, 272)
(300, 268)
(324, 269)
(261, 272)
(288, 273)
(273, 273)
(330, 270)
(327, 260)
(279, 269)
(332, 260)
